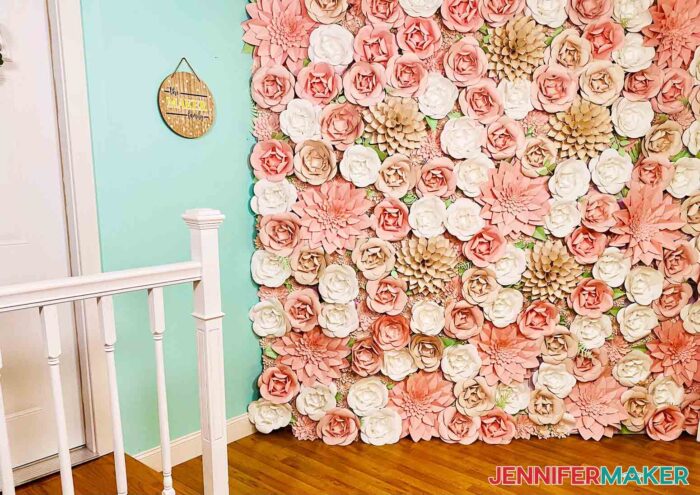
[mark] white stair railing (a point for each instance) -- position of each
(203, 273)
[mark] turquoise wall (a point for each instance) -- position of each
(146, 176)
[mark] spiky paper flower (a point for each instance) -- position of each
(506, 354)
(427, 265)
(395, 125)
(552, 273)
(674, 31)
(676, 353)
(517, 48)
(597, 407)
(583, 131)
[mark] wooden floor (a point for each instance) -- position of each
(279, 464)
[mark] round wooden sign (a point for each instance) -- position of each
(186, 104)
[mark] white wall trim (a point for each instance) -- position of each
(190, 446)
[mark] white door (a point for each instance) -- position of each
(33, 235)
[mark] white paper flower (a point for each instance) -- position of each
(269, 318)
(555, 378)
(427, 217)
(686, 178)
(333, 44)
(633, 368)
(317, 400)
(420, 8)
(691, 138)
(664, 391)
(632, 118)
(632, 14)
(460, 362)
(694, 68)
(360, 165)
(690, 315)
(338, 320)
(514, 397)
(398, 364)
(504, 308)
(269, 269)
(301, 120)
(381, 427)
(591, 332)
(551, 13)
(463, 219)
(338, 284)
(273, 197)
(367, 395)
(462, 138)
(633, 56)
(610, 171)
(570, 180)
(510, 268)
(644, 285)
(563, 217)
(636, 321)
(267, 416)
(516, 94)
(472, 173)
(427, 317)
(612, 267)
(439, 97)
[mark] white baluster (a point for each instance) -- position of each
(52, 339)
(157, 313)
(8, 480)
(204, 244)
(105, 308)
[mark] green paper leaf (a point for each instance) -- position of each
(389, 386)
(447, 342)
(463, 267)
(270, 353)
(454, 115)
(540, 234)
(394, 274)
(626, 431)
(342, 99)
(530, 131)
(248, 48)
(484, 29)
(641, 347)
(586, 275)
(432, 123)
(371, 192)
(618, 293)
(338, 396)
(448, 202)
(613, 311)
(409, 198)
(293, 420)
(288, 285)
(684, 153)
(280, 136)
(307, 61)
(555, 33)
(352, 341)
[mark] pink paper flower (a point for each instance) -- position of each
(586, 244)
(482, 101)
(272, 160)
(265, 125)
(497, 427)
(680, 263)
(455, 427)
(587, 367)
(654, 171)
(591, 298)
(674, 91)
(272, 87)
(674, 31)
(463, 320)
(312, 355)
(643, 85)
(538, 320)
(461, 15)
(407, 75)
(318, 83)
(419, 35)
(419, 399)
(465, 62)
(363, 84)
(498, 12)
(506, 355)
(514, 202)
(278, 384)
(280, 31)
(341, 124)
(672, 300)
(302, 308)
(338, 427)
(437, 178)
(666, 423)
(391, 333)
(486, 246)
(387, 295)
(366, 357)
(553, 88)
(279, 233)
(691, 412)
(375, 44)
(504, 137)
(676, 353)
(390, 220)
(304, 428)
(383, 12)
(582, 12)
(605, 36)
(597, 407)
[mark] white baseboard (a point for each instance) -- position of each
(190, 446)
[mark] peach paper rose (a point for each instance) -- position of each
(691, 412)
(637, 403)
(339, 426)
(586, 245)
(272, 160)
(680, 263)
(383, 12)
(375, 258)
(497, 427)
(279, 233)
(326, 11)
(665, 423)
(366, 357)
(463, 320)
(537, 153)
(387, 295)
(375, 44)
(582, 12)
(486, 246)
(605, 36)
(598, 211)
(302, 308)
(307, 264)
(672, 300)
(437, 178)
(272, 87)
(690, 215)
(391, 333)
(474, 396)
(318, 83)
(591, 298)
(390, 220)
(643, 85)
(455, 427)
(278, 384)
(396, 176)
(589, 366)
(538, 320)
(654, 171)
(498, 12)
(363, 84)
(407, 75)
(482, 101)
(674, 92)
(545, 408)
(569, 50)
(664, 139)
(314, 162)
(504, 138)
(465, 62)
(419, 35)
(601, 82)
(479, 286)
(461, 15)
(553, 88)
(426, 351)
(341, 124)
(559, 347)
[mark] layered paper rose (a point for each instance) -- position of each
(476, 220)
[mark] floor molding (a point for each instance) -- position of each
(190, 446)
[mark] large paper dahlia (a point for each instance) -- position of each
(505, 354)
(676, 353)
(675, 31)
(597, 407)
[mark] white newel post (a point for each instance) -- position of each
(8, 480)
(204, 239)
